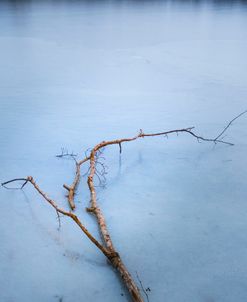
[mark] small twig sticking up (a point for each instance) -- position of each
(230, 123)
(65, 153)
(100, 168)
(100, 175)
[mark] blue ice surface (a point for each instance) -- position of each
(74, 73)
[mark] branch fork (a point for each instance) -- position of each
(106, 246)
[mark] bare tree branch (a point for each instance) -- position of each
(141, 134)
(107, 247)
(61, 211)
(111, 254)
(71, 189)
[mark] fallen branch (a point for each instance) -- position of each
(110, 253)
(72, 188)
(93, 153)
(58, 210)
(107, 247)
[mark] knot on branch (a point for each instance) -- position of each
(91, 209)
(114, 259)
(90, 178)
(113, 255)
(141, 134)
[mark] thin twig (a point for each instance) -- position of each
(65, 153)
(14, 180)
(59, 220)
(230, 123)
(146, 294)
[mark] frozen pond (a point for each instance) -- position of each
(74, 73)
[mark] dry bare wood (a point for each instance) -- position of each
(107, 247)
(93, 158)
